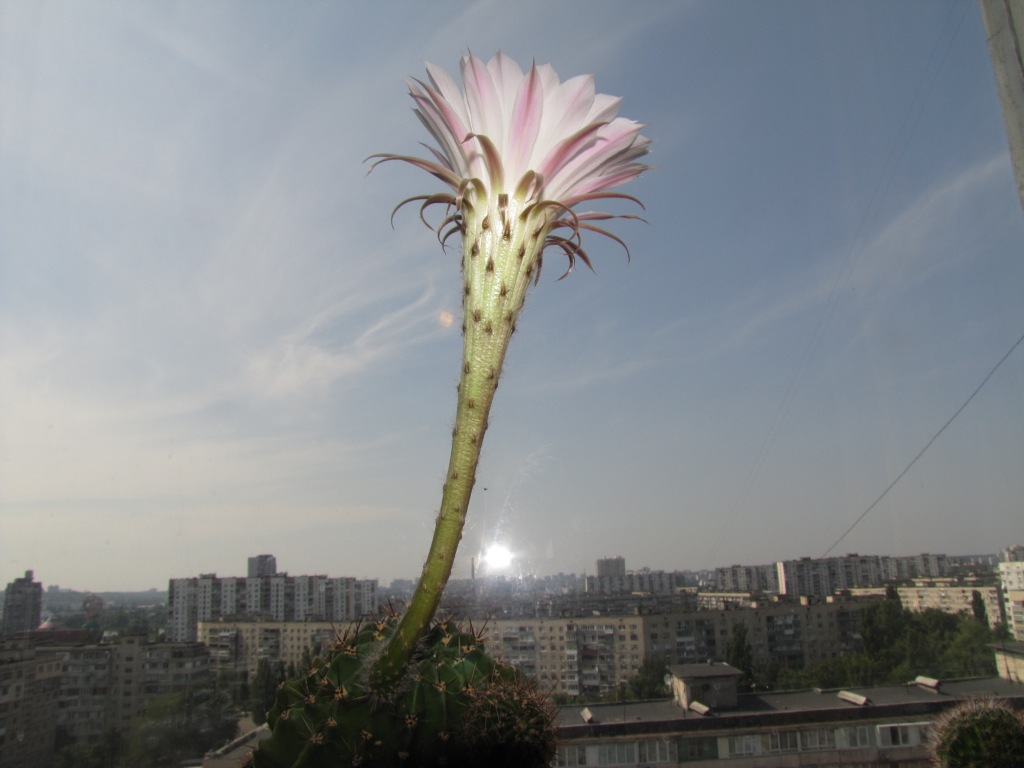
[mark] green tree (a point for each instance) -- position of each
(235, 685)
(882, 629)
(739, 654)
(978, 607)
(649, 681)
(263, 689)
(899, 645)
(105, 752)
(967, 653)
(180, 726)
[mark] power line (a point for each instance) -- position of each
(926, 447)
(892, 161)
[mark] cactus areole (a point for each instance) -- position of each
(519, 152)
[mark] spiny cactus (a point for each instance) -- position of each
(455, 707)
(980, 733)
(508, 723)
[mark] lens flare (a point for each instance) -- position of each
(498, 556)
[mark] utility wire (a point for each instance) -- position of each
(926, 447)
(893, 159)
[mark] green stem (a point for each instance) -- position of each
(500, 253)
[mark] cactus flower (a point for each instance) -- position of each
(518, 152)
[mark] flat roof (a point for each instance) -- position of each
(786, 707)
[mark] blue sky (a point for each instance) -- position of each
(213, 344)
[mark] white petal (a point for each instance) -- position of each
(486, 114)
(508, 78)
(604, 109)
(565, 112)
(449, 89)
(524, 125)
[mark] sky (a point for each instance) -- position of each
(214, 343)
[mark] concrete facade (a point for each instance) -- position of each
(23, 605)
(29, 682)
(589, 657)
(885, 727)
(238, 646)
(279, 597)
(107, 685)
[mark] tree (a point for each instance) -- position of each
(103, 753)
(263, 689)
(739, 654)
(978, 607)
(649, 681)
(899, 645)
(967, 652)
(181, 726)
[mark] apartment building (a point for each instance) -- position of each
(1011, 581)
(591, 656)
(880, 727)
(951, 596)
(108, 684)
(824, 576)
(278, 597)
(23, 605)
(649, 582)
(238, 646)
(29, 681)
(747, 578)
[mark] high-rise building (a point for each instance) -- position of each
(1011, 584)
(270, 597)
(610, 567)
(29, 685)
(23, 605)
(825, 576)
(262, 565)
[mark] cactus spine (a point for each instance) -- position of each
(502, 241)
(455, 707)
(979, 733)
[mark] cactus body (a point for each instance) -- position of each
(455, 707)
(981, 733)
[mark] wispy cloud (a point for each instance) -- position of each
(927, 236)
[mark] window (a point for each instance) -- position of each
(781, 741)
(653, 751)
(856, 736)
(819, 738)
(906, 735)
(743, 745)
(705, 748)
(621, 753)
(572, 756)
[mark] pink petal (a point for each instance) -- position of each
(565, 110)
(485, 110)
(612, 139)
(525, 125)
(444, 125)
(569, 148)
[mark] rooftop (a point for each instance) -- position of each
(785, 707)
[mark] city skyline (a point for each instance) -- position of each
(505, 573)
(213, 343)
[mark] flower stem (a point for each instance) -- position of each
(500, 253)
(475, 396)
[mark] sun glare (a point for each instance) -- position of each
(498, 556)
